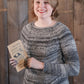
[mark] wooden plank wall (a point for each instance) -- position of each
(14, 15)
(79, 37)
(3, 43)
(17, 18)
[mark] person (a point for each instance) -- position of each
(51, 48)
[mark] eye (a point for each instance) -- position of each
(46, 2)
(38, 2)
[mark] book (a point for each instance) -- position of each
(18, 53)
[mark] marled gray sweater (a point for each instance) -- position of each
(55, 47)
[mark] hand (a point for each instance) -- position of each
(13, 62)
(34, 63)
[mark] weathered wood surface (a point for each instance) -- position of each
(65, 10)
(3, 42)
(2, 51)
(79, 37)
(17, 17)
(1, 4)
(71, 13)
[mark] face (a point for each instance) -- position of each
(42, 9)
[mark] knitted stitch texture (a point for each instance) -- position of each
(55, 47)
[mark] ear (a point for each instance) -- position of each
(53, 9)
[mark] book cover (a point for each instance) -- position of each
(18, 53)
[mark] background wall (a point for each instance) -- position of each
(14, 14)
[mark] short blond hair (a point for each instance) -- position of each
(53, 3)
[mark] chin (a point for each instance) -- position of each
(42, 17)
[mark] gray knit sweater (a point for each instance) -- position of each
(55, 47)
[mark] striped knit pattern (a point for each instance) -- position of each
(55, 47)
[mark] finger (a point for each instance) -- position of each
(13, 62)
(14, 66)
(11, 59)
(28, 62)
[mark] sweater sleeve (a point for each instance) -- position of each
(71, 66)
(23, 38)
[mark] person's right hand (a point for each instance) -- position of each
(13, 62)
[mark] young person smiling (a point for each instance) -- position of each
(50, 46)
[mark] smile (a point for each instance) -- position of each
(41, 11)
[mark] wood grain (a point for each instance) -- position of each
(17, 18)
(14, 14)
(3, 42)
(79, 37)
(2, 51)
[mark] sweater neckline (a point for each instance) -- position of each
(41, 28)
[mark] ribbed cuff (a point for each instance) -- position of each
(45, 67)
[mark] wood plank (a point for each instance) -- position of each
(65, 5)
(3, 43)
(3, 61)
(65, 10)
(1, 4)
(1, 50)
(13, 35)
(79, 33)
(30, 19)
(17, 18)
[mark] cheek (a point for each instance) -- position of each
(50, 9)
(35, 11)
(35, 8)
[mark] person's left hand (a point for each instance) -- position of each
(34, 63)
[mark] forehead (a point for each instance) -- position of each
(41, 0)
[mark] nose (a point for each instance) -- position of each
(41, 5)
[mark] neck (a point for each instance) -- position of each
(44, 22)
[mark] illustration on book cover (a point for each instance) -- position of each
(18, 52)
